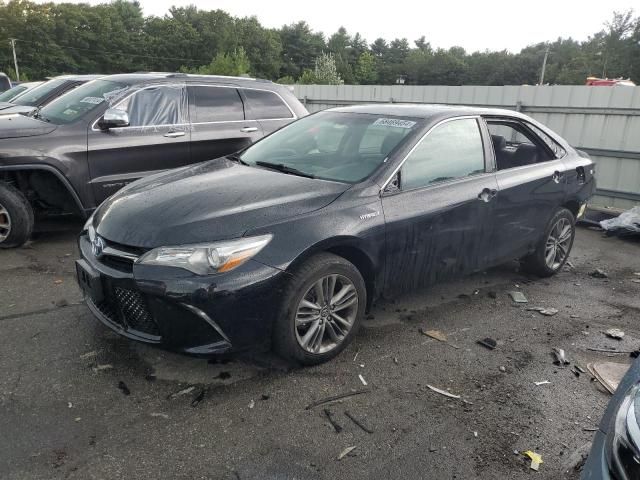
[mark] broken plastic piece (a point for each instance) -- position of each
(336, 397)
(544, 382)
(627, 223)
(561, 358)
(488, 342)
(518, 297)
(609, 374)
(549, 312)
(435, 334)
(536, 459)
(614, 333)
(364, 382)
(357, 422)
(346, 452)
(333, 423)
(442, 392)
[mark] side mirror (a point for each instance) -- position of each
(114, 118)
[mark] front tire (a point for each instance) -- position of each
(322, 308)
(554, 247)
(16, 217)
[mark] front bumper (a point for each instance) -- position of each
(177, 309)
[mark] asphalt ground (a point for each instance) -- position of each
(79, 402)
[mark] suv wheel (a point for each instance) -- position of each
(323, 306)
(16, 217)
(554, 247)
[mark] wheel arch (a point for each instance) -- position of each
(352, 250)
(13, 172)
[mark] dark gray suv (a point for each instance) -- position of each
(84, 146)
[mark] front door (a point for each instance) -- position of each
(156, 139)
(439, 214)
(219, 124)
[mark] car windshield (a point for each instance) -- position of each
(344, 147)
(33, 97)
(12, 92)
(76, 103)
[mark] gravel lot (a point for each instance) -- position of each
(78, 402)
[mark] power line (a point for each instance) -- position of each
(108, 52)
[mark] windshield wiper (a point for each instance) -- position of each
(236, 158)
(281, 167)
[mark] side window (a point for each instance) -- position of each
(452, 150)
(154, 106)
(216, 104)
(557, 149)
(266, 105)
(515, 145)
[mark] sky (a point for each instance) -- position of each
(474, 25)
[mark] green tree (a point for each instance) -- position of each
(366, 69)
(325, 71)
(233, 64)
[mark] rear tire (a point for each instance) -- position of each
(16, 217)
(321, 311)
(554, 247)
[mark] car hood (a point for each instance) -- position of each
(14, 126)
(211, 201)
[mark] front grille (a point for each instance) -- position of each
(128, 309)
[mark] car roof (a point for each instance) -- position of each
(142, 77)
(84, 78)
(424, 110)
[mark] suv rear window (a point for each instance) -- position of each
(215, 104)
(266, 105)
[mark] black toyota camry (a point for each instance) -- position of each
(287, 243)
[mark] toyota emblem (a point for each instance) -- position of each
(97, 246)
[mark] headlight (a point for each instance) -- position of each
(623, 438)
(204, 259)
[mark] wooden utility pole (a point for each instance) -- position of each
(15, 59)
(544, 65)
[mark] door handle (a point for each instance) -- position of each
(175, 134)
(556, 176)
(487, 194)
(249, 129)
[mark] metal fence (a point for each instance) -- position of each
(603, 121)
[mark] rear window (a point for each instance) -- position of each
(266, 105)
(215, 104)
(33, 97)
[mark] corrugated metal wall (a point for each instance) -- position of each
(604, 121)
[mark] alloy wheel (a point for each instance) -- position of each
(5, 223)
(326, 313)
(558, 243)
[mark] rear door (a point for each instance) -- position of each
(438, 210)
(218, 122)
(156, 139)
(271, 111)
(531, 180)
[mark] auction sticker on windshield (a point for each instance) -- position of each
(394, 122)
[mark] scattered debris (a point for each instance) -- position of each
(609, 350)
(182, 392)
(364, 382)
(614, 333)
(356, 356)
(442, 392)
(589, 429)
(336, 397)
(198, 397)
(536, 459)
(625, 224)
(162, 415)
(87, 355)
(333, 423)
(62, 303)
(560, 358)
(69, 404)
(475, 434)
(518, 297)
(598, 273)
(502, 369)
(636, 280)
(435, 334)
(77, 419)
(549, 312)
(252, 403)
(264, 397)
(488, 342)
(609, 374)
(106, 366)
(123, 388)
(357, 422)
(57, 282)
(395, 360)
(346, 452)
(544, 382)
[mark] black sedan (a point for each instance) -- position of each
(287, 243)
(615, 452)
